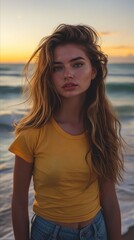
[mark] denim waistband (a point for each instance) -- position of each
(47, 224)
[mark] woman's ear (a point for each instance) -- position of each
(94, 72)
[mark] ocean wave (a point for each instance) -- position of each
(111, 88)
(125, 109)
(120, 87)
(5, 69)
(121, 75)
(125, 112)
(10, 89)
(7, 120)
(11, 74)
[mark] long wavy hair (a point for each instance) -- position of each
(100, 120)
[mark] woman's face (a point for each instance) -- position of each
(72, 71)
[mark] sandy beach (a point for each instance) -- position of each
(129, 235)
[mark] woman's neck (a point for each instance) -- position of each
(71, 111)
(70, 116)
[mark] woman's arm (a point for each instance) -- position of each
(22, 178)
(109, 203)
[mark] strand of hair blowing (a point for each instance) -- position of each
(41, 96)
(105, 140)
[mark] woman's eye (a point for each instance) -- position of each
(77, 65)
(56, 69)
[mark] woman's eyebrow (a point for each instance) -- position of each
(77, 58)
(72, 60)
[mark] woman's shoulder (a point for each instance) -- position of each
(28, 131)
(33, 131)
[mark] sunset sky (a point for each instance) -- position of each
(24, 22)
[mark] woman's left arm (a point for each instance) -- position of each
(110, 205)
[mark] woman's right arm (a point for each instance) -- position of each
(22, 177)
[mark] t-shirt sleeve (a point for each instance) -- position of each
(25, 144)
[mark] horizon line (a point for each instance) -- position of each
(109, 62)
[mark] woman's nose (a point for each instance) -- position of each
(68, 73)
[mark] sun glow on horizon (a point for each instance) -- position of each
(15, 55)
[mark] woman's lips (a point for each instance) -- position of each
(69, 86)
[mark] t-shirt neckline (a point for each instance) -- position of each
(64, 133)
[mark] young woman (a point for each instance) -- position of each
(69, 142)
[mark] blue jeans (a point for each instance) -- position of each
(46, 230)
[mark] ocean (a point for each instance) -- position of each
(120, 90)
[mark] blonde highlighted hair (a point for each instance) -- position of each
(99, 118)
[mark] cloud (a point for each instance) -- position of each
(119, 50)
(123, 47)
(108, 33)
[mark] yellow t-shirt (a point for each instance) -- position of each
(66, 188)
